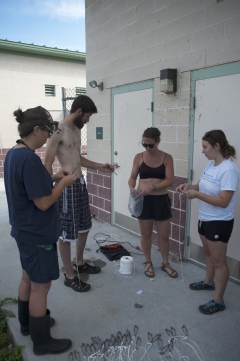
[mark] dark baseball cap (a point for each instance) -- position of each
(36, 115)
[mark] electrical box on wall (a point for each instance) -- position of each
(99, 132)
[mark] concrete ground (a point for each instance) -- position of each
(114, 305)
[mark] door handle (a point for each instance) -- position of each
(116, 165)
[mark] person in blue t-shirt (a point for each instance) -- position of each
(34, 219)
(217, 194)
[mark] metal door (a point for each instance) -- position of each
(217, 107)
(131, 116)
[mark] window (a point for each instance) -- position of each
(50, 90)
(80, 91)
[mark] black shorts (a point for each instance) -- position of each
(40, 262)
(216, 230)
(156, 207)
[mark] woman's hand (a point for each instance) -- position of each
(69, 179)
(182, 187)
(189, 194)
(59, 175)
(136, 193)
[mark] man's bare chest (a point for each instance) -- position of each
(69, 143)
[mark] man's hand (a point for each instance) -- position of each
(106, 168)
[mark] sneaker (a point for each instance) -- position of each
(86, 268)
(212, 307)
(198, 286)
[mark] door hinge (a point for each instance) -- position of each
(191, 174)
(188, 240)
(151, 106)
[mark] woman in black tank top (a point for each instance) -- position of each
(156, 174)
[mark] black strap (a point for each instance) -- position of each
(20, 141)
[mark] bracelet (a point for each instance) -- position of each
(154, 188)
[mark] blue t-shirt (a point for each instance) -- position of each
(26, 178)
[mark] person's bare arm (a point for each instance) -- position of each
(222, 200)
(44, 203)
(187, 186)
(134, 173)
(169, 174)
(51, 151)
(106, 167)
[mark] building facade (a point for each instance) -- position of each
(33, 75)
(129, 43)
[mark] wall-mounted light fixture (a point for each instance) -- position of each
(94, 84)
(168, 80)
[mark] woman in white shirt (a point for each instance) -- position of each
(217, 193)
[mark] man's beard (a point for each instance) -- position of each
(79, 122)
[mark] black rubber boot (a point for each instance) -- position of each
(23, 317)
(43, 343)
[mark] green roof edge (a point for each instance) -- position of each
(18, 48)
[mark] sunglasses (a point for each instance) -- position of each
(51, 128)
(148, 145)
(208, 135)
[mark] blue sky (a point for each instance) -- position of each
(54, 23)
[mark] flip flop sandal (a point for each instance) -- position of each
(76, 284)
(170, 274)
(147, 271)
(86, 268)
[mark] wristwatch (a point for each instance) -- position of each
(154, 188)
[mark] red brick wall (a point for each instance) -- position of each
(40, 152)
(177, 232)
(99, 190)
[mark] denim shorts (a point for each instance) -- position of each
(216, 230)
(156, 207)
(39, 262)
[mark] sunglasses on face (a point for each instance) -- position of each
(148, 145)
(208, 135)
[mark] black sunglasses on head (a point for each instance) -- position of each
(207, 134)
(148, 145)
(51, 127)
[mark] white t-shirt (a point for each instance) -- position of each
(223, 177)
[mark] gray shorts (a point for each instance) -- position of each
(75, 215)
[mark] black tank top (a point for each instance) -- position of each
(146, 172)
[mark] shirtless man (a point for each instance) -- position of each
(75, 216)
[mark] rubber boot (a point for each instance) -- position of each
(23, 317)
(43, 343)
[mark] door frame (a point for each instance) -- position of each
(213, 72)
(148, 84)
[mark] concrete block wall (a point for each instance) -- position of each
(129, 41)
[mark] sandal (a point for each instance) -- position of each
(169, 273)
(147, 271)
(198, 286)
(86, 268)
(212, 307)
(76, 284)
